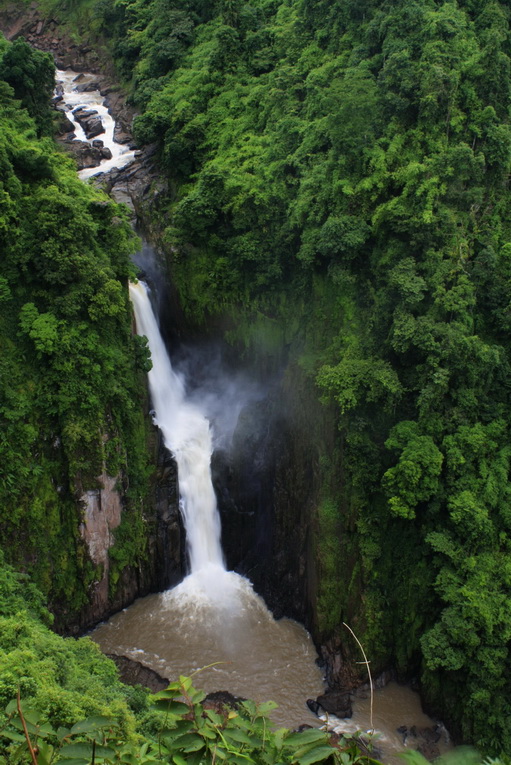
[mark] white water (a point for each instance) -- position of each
(187, 435)
(121, 154)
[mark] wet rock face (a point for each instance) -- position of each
(264, 487)
(102, 511)
(137, 185)
(169, 541)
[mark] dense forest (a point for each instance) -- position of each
(339, 174)
(338, 178)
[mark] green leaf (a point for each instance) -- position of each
(266, 707)
(197, 758)
(12, 735)
(45, 753)
(92, 724)
(241, 737)
(190, 742)
(214, 717)
(186, 682)
(84, 749)
(239, 758)
(178, 728)
(316, 755)
(169, 693)
(197, 696)
(311, 736)
(171, 707)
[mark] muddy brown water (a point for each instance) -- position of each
(215, 618)
(186, 629)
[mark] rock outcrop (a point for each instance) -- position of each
(84, 154)
(133, 672)
(89, 121)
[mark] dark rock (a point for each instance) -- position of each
(133, 672)
(223, 699)
(98, 143)
(121, 136)
(336, 703)
(84, 154)
(106, 153)
(79, 77)
(92, 127)
(424, 740)
(82, 112)
(64, 126)
(430, 734)
(428, 750)
(89, 121)
(383, 679)
(87, 87)
(314, 706)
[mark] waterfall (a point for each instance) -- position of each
(186, 433)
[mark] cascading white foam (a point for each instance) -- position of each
(187, 435)
(122, 155)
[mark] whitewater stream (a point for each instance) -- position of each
(213, 623)
(73, 99)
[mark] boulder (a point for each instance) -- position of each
(424, 740)
(133, 672)
(64, 126)
(89, 120)
(84, 154)
(218, 700)
(93, 127)
(314, 706)
(87, 87)
(336, 703)
(121, 136)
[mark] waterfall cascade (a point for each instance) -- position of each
(186, 433)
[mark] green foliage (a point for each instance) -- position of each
(62, 680)
(31, 74)
(187, 733)
(71, 383)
